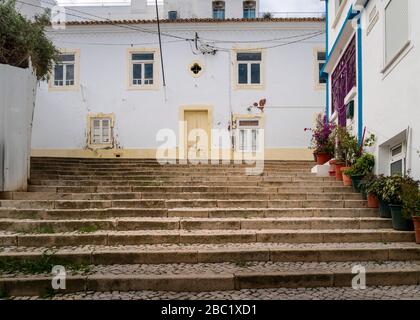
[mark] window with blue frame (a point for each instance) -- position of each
(249, 68)
(219, 10)
(250, 8)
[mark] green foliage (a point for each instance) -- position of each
(410, 199)
(393, 188)
(374, 185)
(348, 149)
(23, 41)
(42, 264)
(363, 166)
(88, 229)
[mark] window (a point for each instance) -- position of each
(249, 68)
(396, 28)
(250, 9)
(320, 61)
(247, 135)
(218, 10)
(397, 163)
(142, 69)
(173, 15)
(64, 70)
(100, 130)
(196, 69)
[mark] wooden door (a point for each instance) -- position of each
(197, 134)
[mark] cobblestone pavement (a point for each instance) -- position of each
(229, 268)
(370, 293)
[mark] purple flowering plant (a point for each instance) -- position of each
(322, 137)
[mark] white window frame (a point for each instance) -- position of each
(402, 156)
(131, 62)
(76, 62)
(249, 85)
(105, 141)
(389, 64)
(247, 131)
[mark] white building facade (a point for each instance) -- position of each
(373, 71)
(224, 68)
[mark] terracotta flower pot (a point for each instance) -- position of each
(322, 158)
(332, 166)
(416, 221)
(338, 174)
(373, 201)
(346, 178)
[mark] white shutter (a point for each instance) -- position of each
(396, 27)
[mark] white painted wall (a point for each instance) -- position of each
(292, 99)
(391, 101)
(17, 101)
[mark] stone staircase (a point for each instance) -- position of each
(131, 225)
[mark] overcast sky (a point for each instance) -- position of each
(292, 5)
(266, 5)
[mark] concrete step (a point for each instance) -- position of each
(172, 204)
(139, 183)
(113, 238)
(188, 188)
(219, 253)
(210, 277)
(63, 214)
(132, 224)
(179, 196)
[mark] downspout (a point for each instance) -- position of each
(359, 81)
(327, 84)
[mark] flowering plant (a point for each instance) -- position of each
(322, 141)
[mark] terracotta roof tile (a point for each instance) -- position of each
(194, 20)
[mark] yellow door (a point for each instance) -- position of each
(197, 134)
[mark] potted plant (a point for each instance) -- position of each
(363, 166)
(322, 144)
(410, 200)
(392, 193)
(366, 182)
(374, 190)
(347, 149)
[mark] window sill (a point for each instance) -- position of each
(399, 56)
(134, 88)
(63, 88)
(100, 146)
(249, 86)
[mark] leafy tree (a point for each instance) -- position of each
(23, 41)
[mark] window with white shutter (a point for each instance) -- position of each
(396, 28)
(101, 129)
(247, 135)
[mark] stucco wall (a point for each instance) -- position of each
(290, 76)
(391, 99)
(17, 97)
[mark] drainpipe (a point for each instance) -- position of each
(359, 81)
(327, 84)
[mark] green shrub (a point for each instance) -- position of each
(23, 41)
(363, 166)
